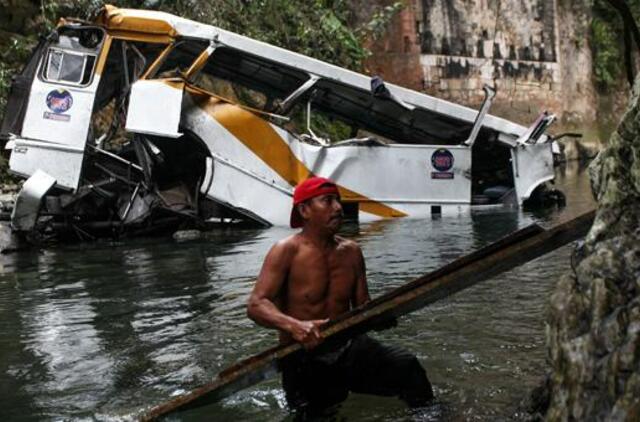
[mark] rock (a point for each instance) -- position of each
(593, 327)
(186, 235)
(533, 409)
(10, 188)
(9, 241)
(7, 202)
(577, 150)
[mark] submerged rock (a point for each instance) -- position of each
(9, 241)
(186, 235)
(593, 328)
(577, 150)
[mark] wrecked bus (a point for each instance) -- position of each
(142, 121)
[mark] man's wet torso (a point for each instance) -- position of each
(321, 281)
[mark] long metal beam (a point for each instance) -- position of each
(507, 253)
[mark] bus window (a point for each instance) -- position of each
(71, 58)
(69, 67)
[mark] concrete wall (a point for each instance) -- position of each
(536, 52)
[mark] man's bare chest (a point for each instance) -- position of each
(318, 278)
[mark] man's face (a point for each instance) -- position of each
(323, 211)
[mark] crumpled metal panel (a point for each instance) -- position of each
(25, 212)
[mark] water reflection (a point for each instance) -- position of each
(104, 330)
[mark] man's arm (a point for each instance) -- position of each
(262, 308)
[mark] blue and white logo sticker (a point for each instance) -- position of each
(442, 159)
(59, 100)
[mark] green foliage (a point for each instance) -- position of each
(379, 21)
(323, 125)
(14, 52)
(5, 81)
(607, 42)
(50, 11)
(329, 128)
(606, 62)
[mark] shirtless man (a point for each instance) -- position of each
(306, 280)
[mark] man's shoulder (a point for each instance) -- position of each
(283, 251)
(288, 245)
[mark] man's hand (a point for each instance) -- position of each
(308, 332)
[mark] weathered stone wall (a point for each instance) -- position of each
(593, 328)
(536, 52)
(514, 30)
(466, 45)
(396, 55)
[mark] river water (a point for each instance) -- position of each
(105, 330)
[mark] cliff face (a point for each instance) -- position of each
(594, 324)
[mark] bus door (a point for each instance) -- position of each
(60, 106)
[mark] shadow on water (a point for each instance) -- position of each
(105, 330)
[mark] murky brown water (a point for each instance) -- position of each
(101, 331)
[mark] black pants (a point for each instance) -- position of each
(321, 378)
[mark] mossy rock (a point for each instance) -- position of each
(593, 327)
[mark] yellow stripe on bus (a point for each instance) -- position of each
(258, 135)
